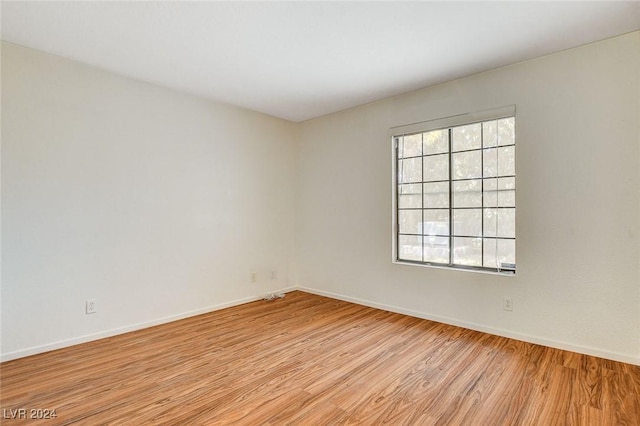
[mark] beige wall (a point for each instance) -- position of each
(156, 204)
(578, 203)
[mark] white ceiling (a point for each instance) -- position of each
(300, 60)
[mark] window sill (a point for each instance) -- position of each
(505, 273)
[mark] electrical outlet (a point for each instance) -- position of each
(253, 277)
(273, 275)
(507, 303)
(90, 306)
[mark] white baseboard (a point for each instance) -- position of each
(478, 327)
(445, 320)
(121, 330)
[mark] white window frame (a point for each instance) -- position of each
(427, 126)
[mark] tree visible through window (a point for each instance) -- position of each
(455, 196)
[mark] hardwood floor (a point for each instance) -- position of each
(310, 360)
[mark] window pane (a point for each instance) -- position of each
(490, 228)
(409, 247)
(506, 192)
(490, 162)
(500, 223)
(507, 161)
(409, 196)
(436, 142)
(467, 165)
(466, 137)
(507, 183)
(436, 222)
(490, 258)
(499, 161)
(489, 134)
(436, 195)
(490, 194)
(506, 131)
(507, 223)
(497, 252)
(507, 252)
(467, 251)
(410, 146)
(436, 167)
(467, 222)
(436, 249)
(499, 192)
(410, 221)
(410, 170)
(467, 193)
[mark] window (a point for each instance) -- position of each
(454, 192)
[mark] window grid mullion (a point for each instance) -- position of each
(397, 139)
(422, 191)
(482, 194)
(450, 132)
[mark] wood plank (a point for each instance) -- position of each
(307, 359)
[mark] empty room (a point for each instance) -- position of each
(320, 213)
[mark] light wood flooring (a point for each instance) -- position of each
(311, 360)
